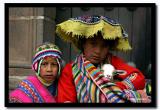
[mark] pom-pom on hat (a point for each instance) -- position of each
(77, 28)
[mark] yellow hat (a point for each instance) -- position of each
(89, 26)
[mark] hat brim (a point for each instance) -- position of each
(71, 31)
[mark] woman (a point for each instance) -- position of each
(87, 78)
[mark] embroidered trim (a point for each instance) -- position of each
(133, 96)
(94, 20)
(129, 85)
(29, 89)
(128, 81)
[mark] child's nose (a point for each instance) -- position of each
(49, 68)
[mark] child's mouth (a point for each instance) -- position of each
(48, 76)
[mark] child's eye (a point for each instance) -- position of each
(54, 64)
(44, 63)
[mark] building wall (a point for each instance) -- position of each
(28, 28)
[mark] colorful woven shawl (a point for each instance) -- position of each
(93, 87)
(31, 90)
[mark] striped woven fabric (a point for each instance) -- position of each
(87, 91)
(31, 90)
(28, 88)
(93, 87)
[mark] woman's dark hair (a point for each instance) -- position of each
(111, 43)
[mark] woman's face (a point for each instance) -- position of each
(49, 69)
(95, 49)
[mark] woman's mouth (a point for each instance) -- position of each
(96, 58)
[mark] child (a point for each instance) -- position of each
(42, 87)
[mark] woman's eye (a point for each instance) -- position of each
(92, 43)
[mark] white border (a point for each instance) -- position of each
(69, 1)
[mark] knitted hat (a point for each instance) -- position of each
(74, 29)
(43, 51)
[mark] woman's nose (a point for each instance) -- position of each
(97, 49)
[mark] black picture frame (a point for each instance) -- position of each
(130, 6)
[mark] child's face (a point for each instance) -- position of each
(95, 49)
(49, 69)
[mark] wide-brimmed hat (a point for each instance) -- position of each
(77, 28)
